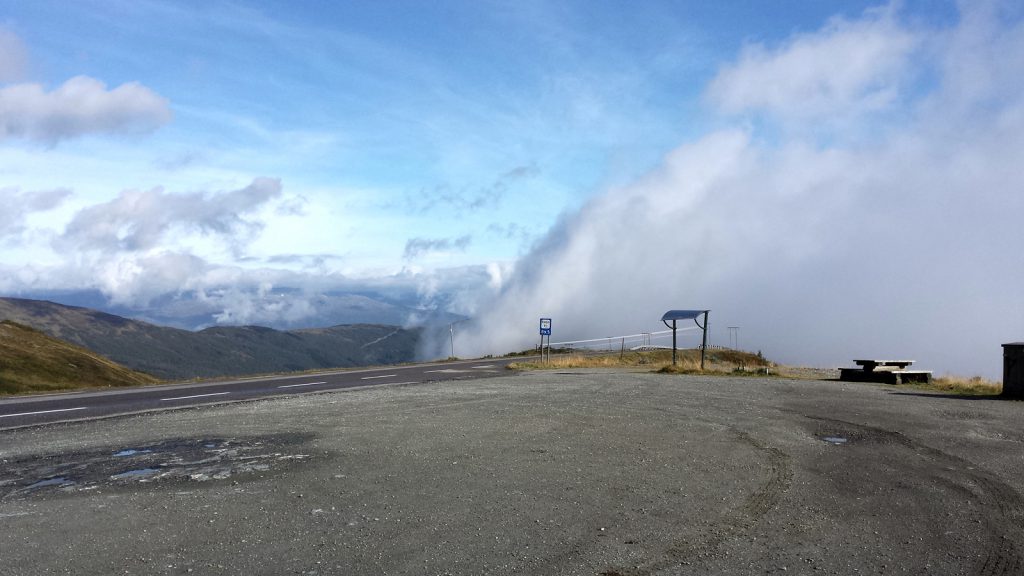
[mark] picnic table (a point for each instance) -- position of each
(886, 371)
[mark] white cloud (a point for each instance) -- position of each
(846, 68)
(141, 220)
(417, 247)
(80, 106)
(13, 56)
(18, 205)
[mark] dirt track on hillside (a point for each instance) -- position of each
(582, 472)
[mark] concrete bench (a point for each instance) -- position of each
(885, 371)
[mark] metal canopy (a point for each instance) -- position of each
(675, 315)
(682, 315)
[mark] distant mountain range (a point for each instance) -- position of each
(177, 354)
(282, 309)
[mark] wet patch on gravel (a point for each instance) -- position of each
(176, 460)
(835, 440)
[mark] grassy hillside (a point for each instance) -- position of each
(175, 354)
(31, 361)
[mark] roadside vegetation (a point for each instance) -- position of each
(731, 363)
(974, 386)
(32, 362)
(688, 361)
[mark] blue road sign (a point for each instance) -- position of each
(545, 326)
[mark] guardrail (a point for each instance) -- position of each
(641, 341)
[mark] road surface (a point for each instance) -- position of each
(31, 410)
(571, 473)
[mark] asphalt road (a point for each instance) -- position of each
(32, 410)
(593, 473)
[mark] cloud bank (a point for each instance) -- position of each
(894, 232)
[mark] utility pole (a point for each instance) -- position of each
(451, 333)
(734, 335)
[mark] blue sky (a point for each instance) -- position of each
(218, 151)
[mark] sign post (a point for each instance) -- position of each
(545, 330)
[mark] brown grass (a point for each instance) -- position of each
(976, 385)
(31, 362)
(735, 363)
(688, 362)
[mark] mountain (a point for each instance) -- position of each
(177, 354)
(283, 309)
(31, 361)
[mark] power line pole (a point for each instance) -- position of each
(734, 335)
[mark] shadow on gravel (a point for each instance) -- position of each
(956, 396)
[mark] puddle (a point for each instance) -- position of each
(835, 440)
(148, 464)
(132, 452)
(137, 473)
(58, 481)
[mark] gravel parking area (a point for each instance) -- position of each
(584, 472)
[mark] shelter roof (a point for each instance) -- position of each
(682, 314)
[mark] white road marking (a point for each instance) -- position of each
(447, 371)
(484, 366)
(303, 384)
(195, 396)
(375, 377)
(42, 412)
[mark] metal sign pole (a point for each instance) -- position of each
(545, 330)
(704, 345)
(673, 342)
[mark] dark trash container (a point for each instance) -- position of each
(1013, 370)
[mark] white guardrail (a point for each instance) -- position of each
(641, 341)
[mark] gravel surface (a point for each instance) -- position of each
(583, 472)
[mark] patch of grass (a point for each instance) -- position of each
(688, 362)
(975, 385)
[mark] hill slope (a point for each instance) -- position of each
(176, 354)
(31, 361)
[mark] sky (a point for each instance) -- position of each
(838, 179)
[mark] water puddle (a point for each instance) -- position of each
(132, 452)
(58, 481)
(834, 440)
(146, 463)
(137, 473)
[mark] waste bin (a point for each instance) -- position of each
(1013, 370)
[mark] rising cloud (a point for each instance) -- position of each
(848, 67)
(902, 243)
(80, 106)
